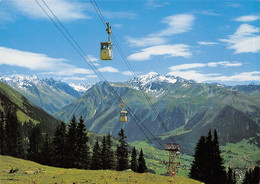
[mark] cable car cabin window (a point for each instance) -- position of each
(123, 114)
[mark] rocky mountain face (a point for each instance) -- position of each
(48, 94)
(187, 110)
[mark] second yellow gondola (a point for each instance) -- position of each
(123, 114)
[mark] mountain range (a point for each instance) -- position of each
(48, 94)
(169, 107)
(187, 110)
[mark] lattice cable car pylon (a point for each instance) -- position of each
(173, 153)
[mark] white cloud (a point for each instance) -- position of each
(210, 12)
(187, 71)
(146, 41)
(74, 78)
(108, 69)
(212, 77)
(244, 76)
(177, 24)
(244, 39)
(155, 3)
(233, 5)
(224, 64)
(201, 65)
(168, 50)
(5, 16)
(117, 25)
(92, 58)
(39, 62)
(119, 15)
(187, 66)
(192, 75)
(79, 78)
(127, 73)
(248, 18)
(64, 10)
(207, 43)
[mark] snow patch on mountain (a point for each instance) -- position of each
(21, 81)
(80, 87)
(155, 77)
(152, 83)
(49, 94)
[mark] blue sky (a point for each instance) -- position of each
(204, 40)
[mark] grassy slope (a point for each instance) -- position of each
(25, 110)
(31, 172)
(17, 99)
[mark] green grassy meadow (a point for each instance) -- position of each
(31, 173)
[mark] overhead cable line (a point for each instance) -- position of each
(81, 52)
(94, 4)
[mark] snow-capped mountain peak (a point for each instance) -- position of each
(21, 81)
(152, 82)
(80, 87)
(153, 77)
(46, 93)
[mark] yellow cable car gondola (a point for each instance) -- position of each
(123, 114)
(106, 50)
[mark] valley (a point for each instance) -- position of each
(188, 110)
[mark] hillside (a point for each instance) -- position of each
(31, 172)
(48, 94)
(240, 156)
(26, 111)
(188, 110)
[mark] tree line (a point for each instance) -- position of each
(208, 167)
(69, 147)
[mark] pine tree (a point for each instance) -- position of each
(234, 178)
(247, 178)
(35, 144)
(26, 131)
(71, 142)
(208, 164)
(133, 161)
(96, 163)
(104, 159)
(252, 176)
(59, 146)
(231, 176)
(110, 153)
(197, 171)
(2, 128)
(256, 175)
(13, 136)
(122, 152)
(82, 148)
(141, 163)
(46, 151)
(218, 170)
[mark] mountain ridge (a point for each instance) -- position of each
(49, 94)
(25, 110)
(186, 107)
